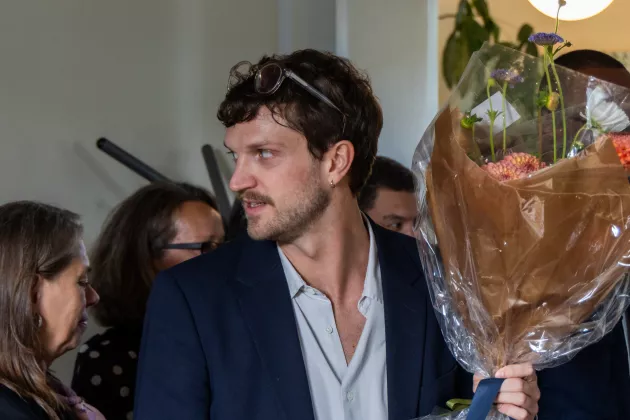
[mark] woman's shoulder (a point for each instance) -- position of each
(111, 356)
(14, 407)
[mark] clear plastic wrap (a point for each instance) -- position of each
(524, 212)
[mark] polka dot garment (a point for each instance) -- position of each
(105, 371)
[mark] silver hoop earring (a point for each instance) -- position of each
(332, 184)
(39, 319)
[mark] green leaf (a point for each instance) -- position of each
(463, 12)
(524, 33)
(493, 29)
(492, 115)
(455, 58)
(474, 33)
(482, 9)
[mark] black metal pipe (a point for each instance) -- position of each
(130, 161)
(212, 165)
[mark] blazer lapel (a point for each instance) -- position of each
(405, 323)
(263, 294)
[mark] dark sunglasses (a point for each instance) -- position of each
(204, 247)
(269, 77)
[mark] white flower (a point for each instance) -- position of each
(603, 112)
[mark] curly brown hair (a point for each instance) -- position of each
(335, 77)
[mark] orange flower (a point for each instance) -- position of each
(514, 166)
(621, 141)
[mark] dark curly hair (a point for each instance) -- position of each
(386, 173)
(335, 77)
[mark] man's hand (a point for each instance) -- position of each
(519, 394)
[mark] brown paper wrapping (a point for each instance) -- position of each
(527, 260)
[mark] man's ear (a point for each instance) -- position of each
(339, 157)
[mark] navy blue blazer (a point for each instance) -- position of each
(220, 340)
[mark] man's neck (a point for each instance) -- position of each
(333, 254)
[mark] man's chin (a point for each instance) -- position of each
(260, 230)
(258, 234)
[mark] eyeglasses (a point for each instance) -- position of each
(204, 247)
(269, 78)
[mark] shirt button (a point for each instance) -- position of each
(329, 329)
(311, 291)
(350, 396)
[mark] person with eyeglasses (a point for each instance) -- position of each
(157, 227)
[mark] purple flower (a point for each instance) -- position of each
(506, 76)
(545, 39)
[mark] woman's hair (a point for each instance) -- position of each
(132, 239)
(36, 241)
(237, 223)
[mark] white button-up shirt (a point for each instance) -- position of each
(339, 391)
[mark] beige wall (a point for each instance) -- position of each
(609, 31)
(148, 74)
(400, 58)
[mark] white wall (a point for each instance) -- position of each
(147, 74)
(306, 24)
(395, 42)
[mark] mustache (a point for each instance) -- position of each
(254, 196)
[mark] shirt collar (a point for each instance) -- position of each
(372, 288)
(294, 280)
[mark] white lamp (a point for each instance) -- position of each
(573, 10)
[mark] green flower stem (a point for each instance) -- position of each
(562, 110)
(560, 48)
(477, 153)
(553, 113)
(491, 116)
(540, 135)
(576, 136)
(557, 20)
(505, 85)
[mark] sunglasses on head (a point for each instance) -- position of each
(204, 247)
(269, 77)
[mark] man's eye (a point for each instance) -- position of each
(233, 155)
(265, 154)
(395, 226)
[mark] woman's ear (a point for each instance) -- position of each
(36, 290)
(340, 156)
(36, 294)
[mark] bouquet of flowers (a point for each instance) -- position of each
(524, 210)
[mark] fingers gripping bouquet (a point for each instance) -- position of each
(524, 210)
